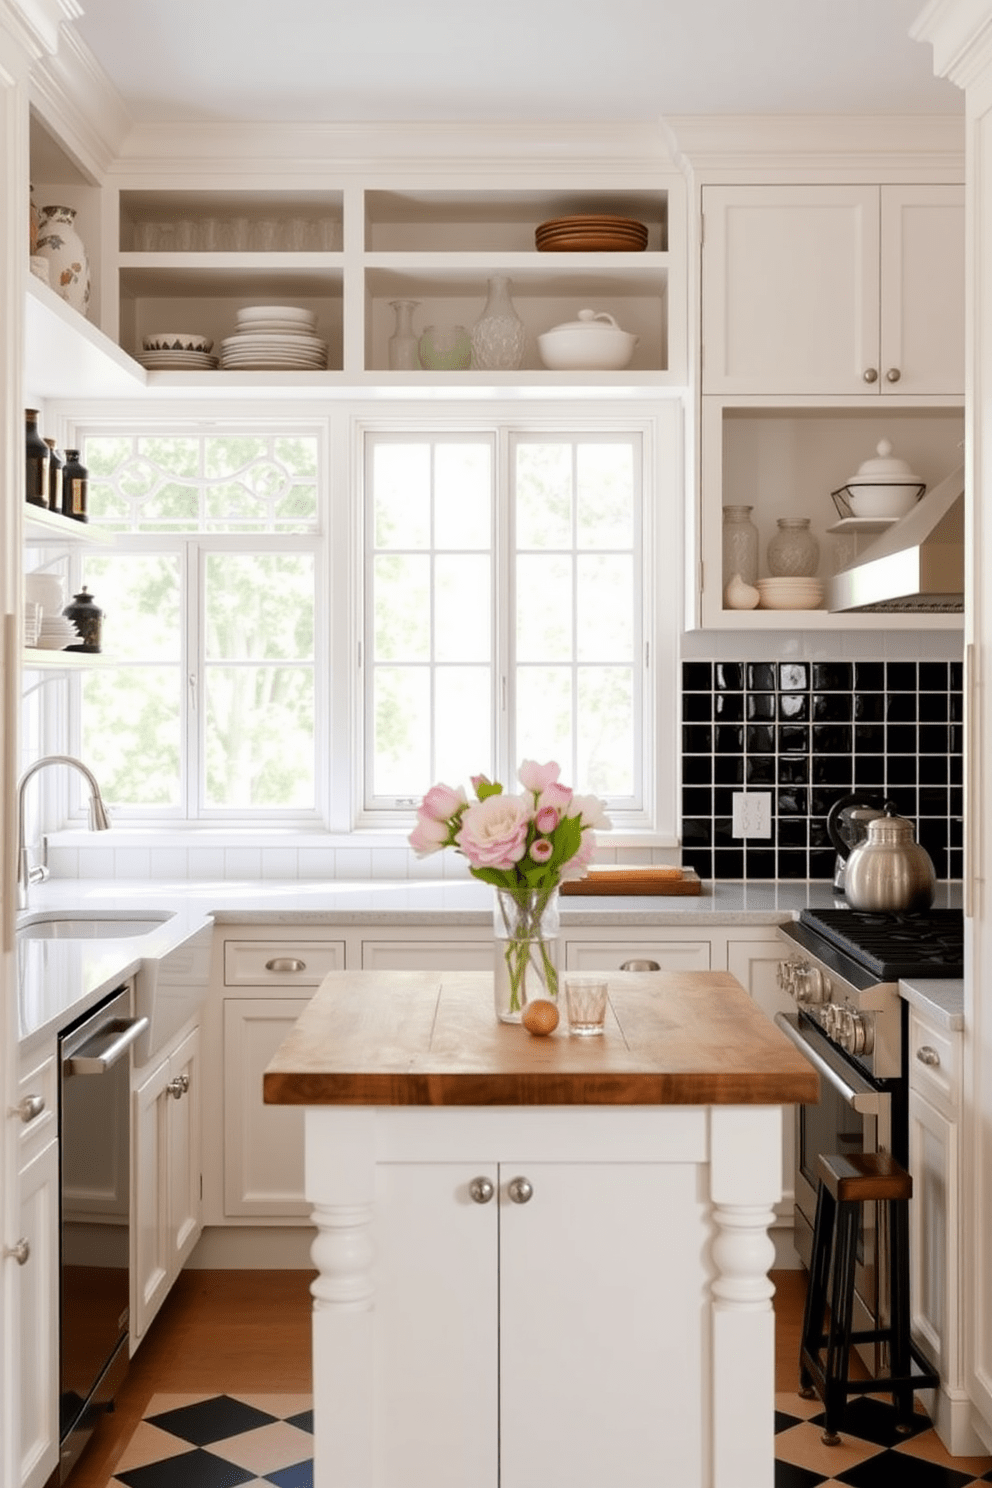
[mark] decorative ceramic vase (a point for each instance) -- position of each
(404, 355)
(793, 551)
(87, 617)
(526, 953)
(740, 596)
(445, 349)
(68, 266)
(499, 335)
(740, 544)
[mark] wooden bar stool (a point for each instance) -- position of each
(846, 1182)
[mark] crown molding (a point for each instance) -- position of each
(811, 147)
(30, 30)
(74, 97)
(960, 32)
(525, 148)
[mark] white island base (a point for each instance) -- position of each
(613, 1330)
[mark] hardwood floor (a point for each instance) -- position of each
(243, 1331)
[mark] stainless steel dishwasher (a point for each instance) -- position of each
(95, 1199)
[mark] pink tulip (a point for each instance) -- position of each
(541, 849)
(428, 835)
(546, 820)
(537, 778)
(558, 797)
(442, 802)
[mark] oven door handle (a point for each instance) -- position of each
(857, 1094)
(124, 1035)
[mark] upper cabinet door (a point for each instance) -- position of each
(922, 290)
(790, 289)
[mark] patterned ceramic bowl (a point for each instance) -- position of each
(176, 341)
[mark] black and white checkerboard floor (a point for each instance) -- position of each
(870, 1454)
(225, 1441)
(220, 1441)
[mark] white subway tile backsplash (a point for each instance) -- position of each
(353, 862)
(206, 862)
(390, 862)
(132, 862)
(242, 862)
(316, 863)
(63, 862)
(169, 862)
(96, 862)
(280, 862)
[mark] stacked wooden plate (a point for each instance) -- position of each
(591, 234)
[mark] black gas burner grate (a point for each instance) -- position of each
(892, 945)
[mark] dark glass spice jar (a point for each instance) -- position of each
(87, 617)
(37, 458)
(75, 487)
(54, 478)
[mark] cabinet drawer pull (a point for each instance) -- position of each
(929, 1056)
(30, 1108)
(870, 374)
(285, 963)
(19, 1252)
(481, 1190)
(639, 966)
(520, 1190)
(893, 374)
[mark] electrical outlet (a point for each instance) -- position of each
(752, 814)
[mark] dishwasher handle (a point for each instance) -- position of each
(96, 1056)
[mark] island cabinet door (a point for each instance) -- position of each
(603, 1312)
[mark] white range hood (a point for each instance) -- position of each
(918, 564)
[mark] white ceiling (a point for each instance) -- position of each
(530, 60)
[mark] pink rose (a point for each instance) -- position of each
(428, 835)
(546, 820)
(493, 832)
(442, 802)
(577, 867)
(591, 810)
(537, 778)
(541, 849)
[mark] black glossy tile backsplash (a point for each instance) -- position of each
(807, 733)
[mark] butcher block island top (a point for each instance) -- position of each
(424, 1038)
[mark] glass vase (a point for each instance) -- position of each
(793, 551)
(740, 544)
(404, 352)
(445, 349)
(526, 951)
(499, 335)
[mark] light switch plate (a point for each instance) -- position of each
(752, 814)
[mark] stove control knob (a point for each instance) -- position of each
(785, 975)
(855, 1033)
(817, 985)
(829, 1020)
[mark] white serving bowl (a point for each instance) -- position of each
(176, 341)
(594, 342)
(890, 500)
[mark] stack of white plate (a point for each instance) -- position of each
(56, 633)
(790, 593)
(32, 622)
(274, 338)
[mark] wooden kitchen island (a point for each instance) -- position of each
(542, 1263)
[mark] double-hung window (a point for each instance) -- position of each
(505, 610)
(210, 706)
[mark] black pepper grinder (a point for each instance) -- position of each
(37, 457)
(75, 487)
(88, 620)
(54, 478)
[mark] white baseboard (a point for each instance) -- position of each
(243, 1248)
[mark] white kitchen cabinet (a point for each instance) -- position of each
(783, 459)
(499, 1288)
(850, 290)
(37, 1281)
(935, 1222)
(167, 1200)
(457, 952)
(262, 1145)
(679, 952)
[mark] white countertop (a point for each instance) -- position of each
(940, 1001)
(61, 979)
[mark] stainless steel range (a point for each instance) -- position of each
(842, 968)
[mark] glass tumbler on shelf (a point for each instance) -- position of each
(740, 544)
(404, 343)
(793, 552)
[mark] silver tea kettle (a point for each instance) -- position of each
(847, 826)
(890, 872)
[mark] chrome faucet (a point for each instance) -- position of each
(99, 821)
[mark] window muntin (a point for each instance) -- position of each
(504, 610)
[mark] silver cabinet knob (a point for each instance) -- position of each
(520, 1190)
(285, 963)
(870, 374)
(481, 1190)
(639, 966)
(893, 374)
(19, 1252)
(178, 1087)
(926, 1055)
(30, 1108)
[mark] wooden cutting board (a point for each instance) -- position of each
(636, 879)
